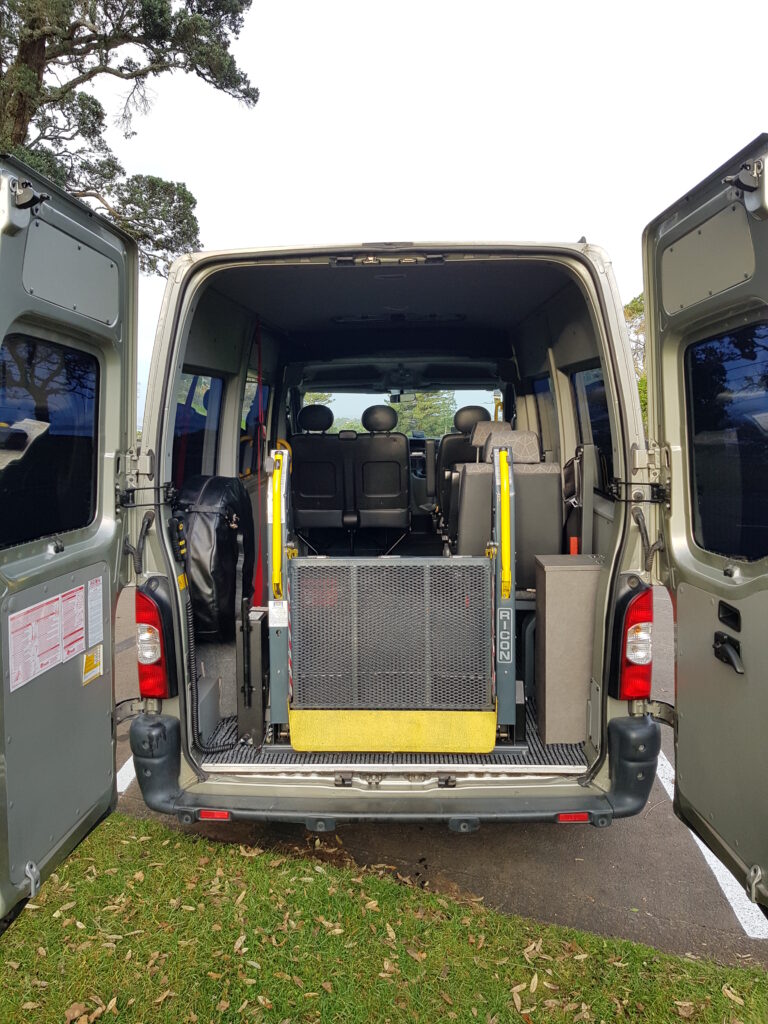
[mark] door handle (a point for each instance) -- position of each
(728, 650)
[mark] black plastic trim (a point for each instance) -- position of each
(158, 589)
(633, 751)
(634, 744)
(156, 749)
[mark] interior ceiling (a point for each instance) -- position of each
(479, 297)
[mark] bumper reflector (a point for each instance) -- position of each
(210, 815)
(567, 816)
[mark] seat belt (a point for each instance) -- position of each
(587, 496)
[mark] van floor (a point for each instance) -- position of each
(554, 755)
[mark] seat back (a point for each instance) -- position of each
(538, 503)
(317, 477)
(381, 471)
(455, 449)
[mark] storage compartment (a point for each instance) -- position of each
(566, 589)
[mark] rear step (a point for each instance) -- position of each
(557, 758)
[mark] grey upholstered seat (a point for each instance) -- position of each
(381, 471)
(538, 503)
(456, 449)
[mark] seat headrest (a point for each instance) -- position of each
(315, 417)
(483, 430)
(523, 444)
(468, 416)
(379, 419)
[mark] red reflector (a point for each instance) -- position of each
(636, 660)
(573, 816)
(153, 675)
(214, 815)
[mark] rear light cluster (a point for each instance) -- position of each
(637, 648)
(150, 649)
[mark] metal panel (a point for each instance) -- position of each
(52, 777)
(69, 273)
(391, 633)
(711, 258)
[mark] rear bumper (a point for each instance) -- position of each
(633, 748)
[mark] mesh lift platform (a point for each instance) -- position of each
(391, 633)
(394, 654)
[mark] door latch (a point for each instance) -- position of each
(754, 877)
(728, 650)
(32, 871)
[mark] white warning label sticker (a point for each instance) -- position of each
(95, 612)
(278, 614)
(34, 641)
(72, 623)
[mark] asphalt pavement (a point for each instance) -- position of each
(644, 878)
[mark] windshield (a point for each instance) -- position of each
(419, 413)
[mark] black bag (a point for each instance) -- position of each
(216, 510)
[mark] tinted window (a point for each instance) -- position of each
(48, 439)
(727, 392)
(196, 428)
(594, 422)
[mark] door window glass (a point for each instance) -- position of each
(594, 421)
(196, 428)
(727, 396)
(48, 439)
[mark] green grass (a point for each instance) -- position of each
(147, 924)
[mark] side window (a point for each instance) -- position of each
(255, 406)
(594, 421)
(727, 399)
(196, 427)
(48, 439)
(545, 408)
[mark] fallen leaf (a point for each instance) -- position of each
(517, 1000)
(684, 1010)
(168, 994)
(391, 931)
(240, 898)
(138, 876)
(74, 1011)
(732, 995)
(372, 905)
(534, 983)
(446, 998)
(31, 1006)
(327, 986)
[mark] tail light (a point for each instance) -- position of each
(150, 649)
(637, 648)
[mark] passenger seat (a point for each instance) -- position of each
(317, 477)
(538, 503)
(381, 471)
(455, 449)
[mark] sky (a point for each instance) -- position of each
(443, 121)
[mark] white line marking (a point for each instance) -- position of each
(749, 916)
(125, 776)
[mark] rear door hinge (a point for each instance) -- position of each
(659, 710)
(342, 779)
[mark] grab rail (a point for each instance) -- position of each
(505, 539)
(277, 528)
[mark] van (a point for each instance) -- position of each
(394, 526)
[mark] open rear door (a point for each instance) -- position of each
(706, 279)
(67, 420)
